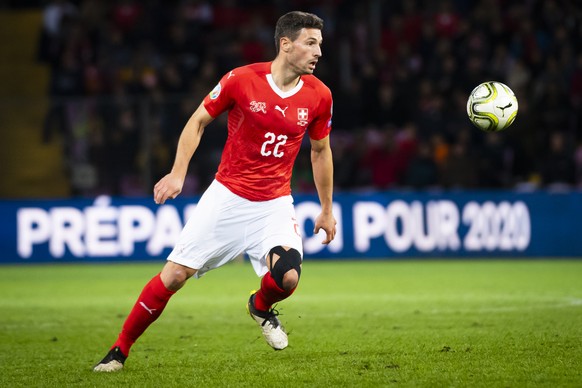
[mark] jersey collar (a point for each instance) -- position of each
(281, 93)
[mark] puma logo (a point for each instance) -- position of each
(503, 108)
(277, 107)
(149, 310)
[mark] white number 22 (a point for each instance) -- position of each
(271, 138)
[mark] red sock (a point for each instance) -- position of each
(147, 309)
(270, 293)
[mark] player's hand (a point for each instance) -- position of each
(326, 222)
(169, 187)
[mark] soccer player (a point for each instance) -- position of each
(248, 208)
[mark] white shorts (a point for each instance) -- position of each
(224, 226)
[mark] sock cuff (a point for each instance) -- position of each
(272, 284)
(270, 293)
(159, 288)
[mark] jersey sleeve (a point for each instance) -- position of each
(219, 100)
(320, 127)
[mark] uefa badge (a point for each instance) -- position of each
(215, 92)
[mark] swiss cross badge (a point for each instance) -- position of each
(302, 116)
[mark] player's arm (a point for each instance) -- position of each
(171, 185)
(322, 164)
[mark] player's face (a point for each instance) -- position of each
(305, 51)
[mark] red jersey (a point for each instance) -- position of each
(265, 128)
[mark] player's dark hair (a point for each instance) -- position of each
(290, 25)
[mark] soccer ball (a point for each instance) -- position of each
(492, 106)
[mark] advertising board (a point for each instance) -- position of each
(379, 225)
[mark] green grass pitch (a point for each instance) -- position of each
(404, 323)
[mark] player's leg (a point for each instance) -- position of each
(279, 283)
(149, 306)
(276, 256)
(195, 248)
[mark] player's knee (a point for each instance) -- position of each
(287, 270)
(290, 280)
(174, 276)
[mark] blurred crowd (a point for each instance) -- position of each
(400, 73)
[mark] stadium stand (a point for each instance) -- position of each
(124, 76)
(29, 168)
